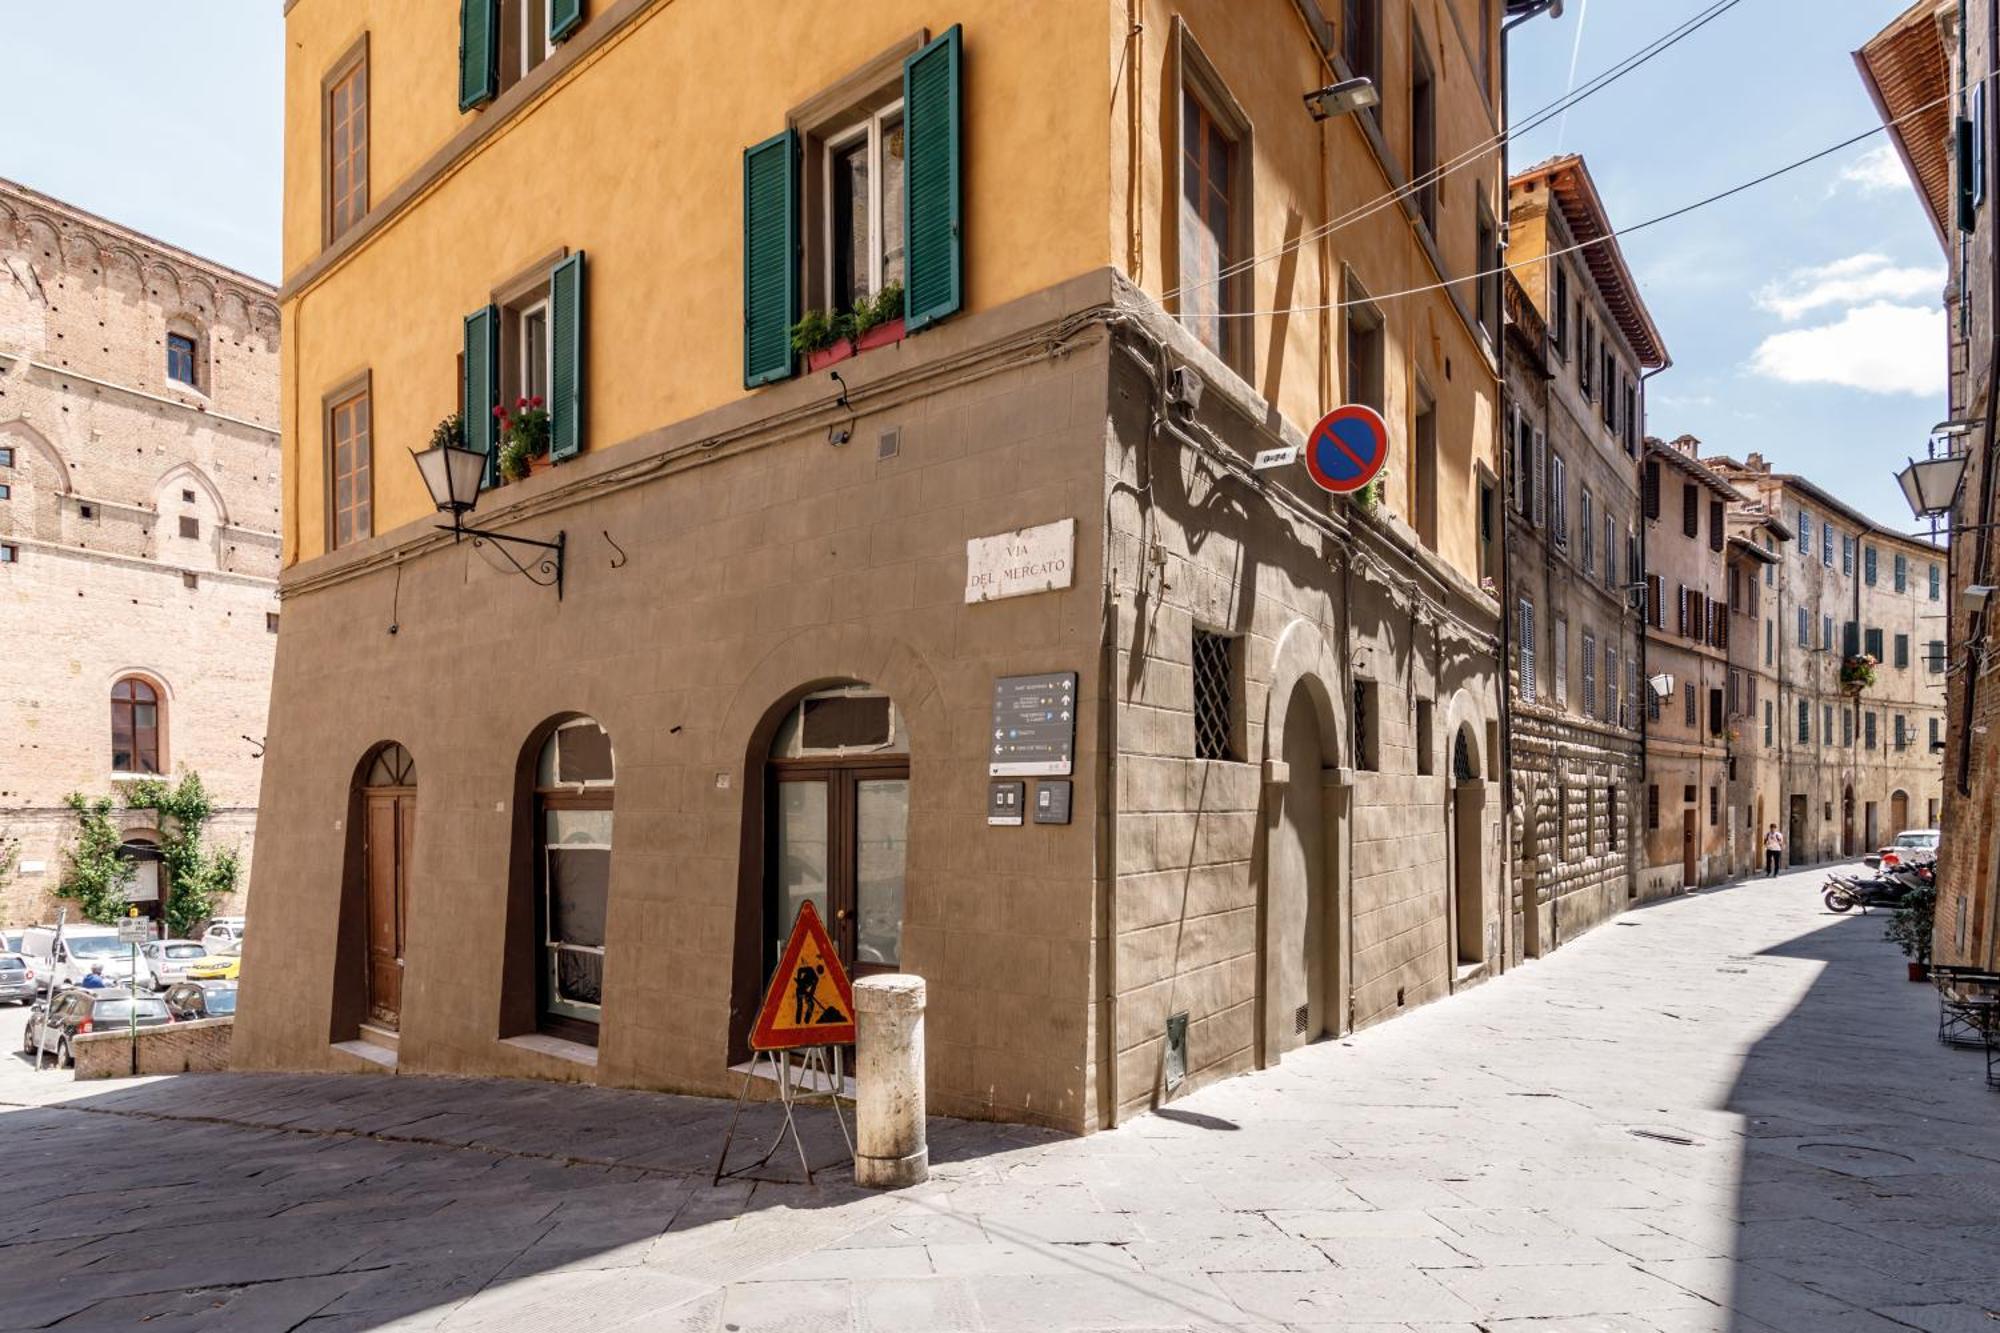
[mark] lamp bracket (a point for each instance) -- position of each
(544, 571)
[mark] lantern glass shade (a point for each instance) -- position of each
(1931, 485)
(452, 475)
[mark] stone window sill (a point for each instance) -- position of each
(575, 1052)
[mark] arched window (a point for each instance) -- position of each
(573, 787)
(135, 727)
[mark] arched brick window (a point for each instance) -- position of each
(135, 726)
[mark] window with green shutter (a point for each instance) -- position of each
(478, 52)
(565, 17)
(566, 304)
(770, 257)
(932, 228)
(482, 388)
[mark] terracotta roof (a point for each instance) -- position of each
(1905, 67)
(1694, 469)
(1745, 544)
(1570, 185)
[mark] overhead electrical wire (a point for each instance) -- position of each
(1533, 121)
(1609, 236)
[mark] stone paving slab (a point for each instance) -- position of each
(1724, 1112)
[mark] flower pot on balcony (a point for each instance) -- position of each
(820, 358)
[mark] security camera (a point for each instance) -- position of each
(1337, 99)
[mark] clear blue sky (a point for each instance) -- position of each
(1800, 315)
(1804, 317)
(167, 118)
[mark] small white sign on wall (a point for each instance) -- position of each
(1014, 564)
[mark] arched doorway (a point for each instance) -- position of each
(1304, 928)
(388, 800)
(836, 825)
(1847, 822)
(1899, 811)
(575, 779)
(1468, 804)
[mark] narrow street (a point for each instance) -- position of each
(1727, 1111)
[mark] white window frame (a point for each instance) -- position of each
(871, 126)
(523, 360)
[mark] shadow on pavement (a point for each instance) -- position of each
(349, 1202)
(1870, 1176)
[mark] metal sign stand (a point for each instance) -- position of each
(823, 1060)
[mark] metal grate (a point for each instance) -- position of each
(1213, 687)
(1300, 1017)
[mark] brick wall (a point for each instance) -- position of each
(197, 1047)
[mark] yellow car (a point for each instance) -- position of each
(225, 964)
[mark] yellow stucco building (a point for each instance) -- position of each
(814, 577)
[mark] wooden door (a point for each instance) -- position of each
(1688, 824)
(838, 836)
(391, 836)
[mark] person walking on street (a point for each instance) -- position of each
(1774, 851)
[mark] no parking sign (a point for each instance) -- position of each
(1347, 448)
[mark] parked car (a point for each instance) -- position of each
(65, 957)
(53, 1024)
(1917, 844)
(10, 940)
(166, 961)
(17, 978)
(223, 964)
(223, 930)
(201, 999)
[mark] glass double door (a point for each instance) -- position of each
(839, 839)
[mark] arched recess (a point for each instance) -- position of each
(1466, 768)
(1302, 907)
(375, 889)
(24, 437)
(812, 662)
(186, 476)
(559, 883)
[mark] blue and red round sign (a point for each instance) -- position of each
(1347, 448)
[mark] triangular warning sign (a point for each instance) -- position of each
(809, 1002)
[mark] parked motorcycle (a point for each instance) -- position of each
(1844, 893)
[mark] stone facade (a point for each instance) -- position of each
(1755, 791)
(1919, 70)
(1285, 812)
(140, 516)
(1687, 641)
(1857, 766)
(1575, 420)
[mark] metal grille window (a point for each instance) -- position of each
(1652, 805)
(1805, 722)
(1214, 696)
(1366, 739)
(1714, 806)
(1687, 703)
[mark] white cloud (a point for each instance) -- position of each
(1862, 277)
(1877, 348)
(1875, 172)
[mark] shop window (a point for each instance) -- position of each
(1215, 658)
(136, 726)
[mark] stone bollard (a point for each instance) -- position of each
(890, 1150)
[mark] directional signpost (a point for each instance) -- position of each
(1034, 726)
(134, 930)
(1347, 448)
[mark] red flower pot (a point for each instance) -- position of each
(881, 335)
(827, 356)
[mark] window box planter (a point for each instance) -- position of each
(888, 331)
(1857, 674)
(832, 354)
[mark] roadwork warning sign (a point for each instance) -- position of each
(810, 1002)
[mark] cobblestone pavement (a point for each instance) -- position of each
(1727, 1111)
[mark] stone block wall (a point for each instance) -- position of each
(198, 1046)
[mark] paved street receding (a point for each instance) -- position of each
(1727, 1111)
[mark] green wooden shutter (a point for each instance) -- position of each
(566, 358)
(478, 52)
(482, 388)
(770, 258)
(565, 17)
(934, 285)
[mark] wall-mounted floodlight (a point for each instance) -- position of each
(1337, 99)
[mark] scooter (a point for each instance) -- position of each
(1843, 893)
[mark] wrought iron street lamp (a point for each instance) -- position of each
(1931, 485)
(452, 474)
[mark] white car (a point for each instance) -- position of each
(222, 931)
(166, 961)
(65, 956)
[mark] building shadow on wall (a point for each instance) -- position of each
(339, 1202)
(1870, 1175)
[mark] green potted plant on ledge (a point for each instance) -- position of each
(824, 338)
(877, 321)
(1857, 673)
(1913, 925)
